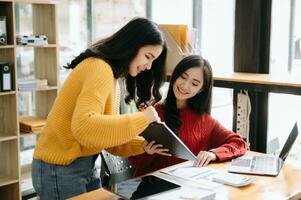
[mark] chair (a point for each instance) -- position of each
(114, 169)
(27, 189)
(29, 194)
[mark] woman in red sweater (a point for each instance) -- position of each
(186, 111)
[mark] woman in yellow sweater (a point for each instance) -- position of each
(84, 118)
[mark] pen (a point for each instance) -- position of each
(143, 105)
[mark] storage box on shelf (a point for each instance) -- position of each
(45, 67)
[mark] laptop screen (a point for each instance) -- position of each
(289, 143)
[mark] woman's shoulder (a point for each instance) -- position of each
(94, 65)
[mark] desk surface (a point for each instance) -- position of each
(288, 84)
(258, 78)
(270, 79)
(286, 185)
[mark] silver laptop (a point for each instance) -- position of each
(264, 165)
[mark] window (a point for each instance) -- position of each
(285, 59)
(296, 40)
(73, 31)
(217, 45)
(178, 12)
(109, 16)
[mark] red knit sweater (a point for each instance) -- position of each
(200, 132)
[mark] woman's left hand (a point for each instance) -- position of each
(152, 148)
(204, 158)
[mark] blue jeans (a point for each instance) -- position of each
(56, 182)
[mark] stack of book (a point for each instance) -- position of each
(35, 40)
(32, 84)
(30, 124)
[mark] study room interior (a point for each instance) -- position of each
(254, 49)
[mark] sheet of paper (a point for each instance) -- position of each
(185, 193)
(200, 175)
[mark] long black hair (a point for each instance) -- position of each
(120, 49)
(200, 103)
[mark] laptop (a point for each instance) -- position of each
(162, 134)
(264, 165)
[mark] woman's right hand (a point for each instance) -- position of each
(152, 148)
(151, 114)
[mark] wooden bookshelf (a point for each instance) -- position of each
(45, 64)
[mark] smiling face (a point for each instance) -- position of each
(144, 59)
(188, 85)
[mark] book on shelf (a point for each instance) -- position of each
(31, 124)
(34, 40)
(28, 84)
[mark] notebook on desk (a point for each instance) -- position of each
(264, 165)
(162, 134)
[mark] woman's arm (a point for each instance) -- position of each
(131, 148)
(149, 161)
(93, 123)
(226, 144)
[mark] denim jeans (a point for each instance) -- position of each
(56, 182)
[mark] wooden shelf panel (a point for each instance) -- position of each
(8, 114)
(46, 65)
(11, 190)
(44, 102)
(7, 93)
(7, 46)
(7, 137)
(7, 181)
(8, 55)
(9, 157)
(43, 21)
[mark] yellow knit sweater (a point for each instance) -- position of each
(82, 121)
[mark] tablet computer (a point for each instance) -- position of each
(144, 187)
(162, 134)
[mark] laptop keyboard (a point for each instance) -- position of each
(262, 163)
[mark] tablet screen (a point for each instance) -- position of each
(141, 188)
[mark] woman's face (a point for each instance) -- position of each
(144, 59)
(188, 84)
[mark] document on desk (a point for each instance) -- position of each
(207, 177)
(199, 175)
(186, 193)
